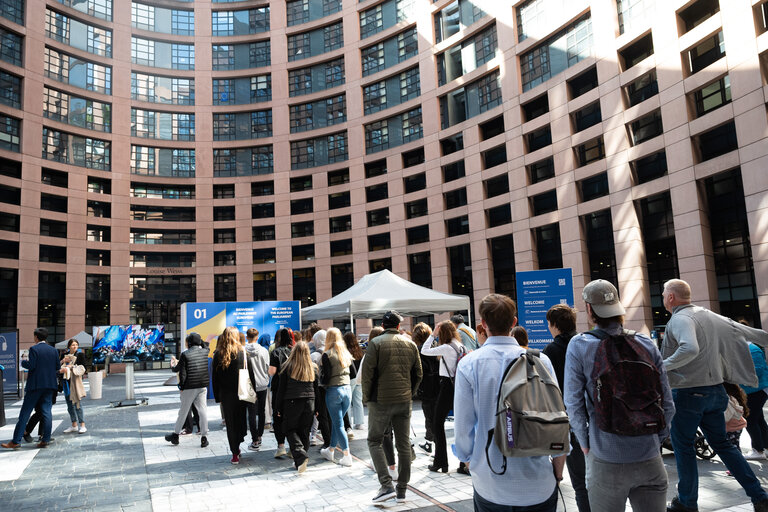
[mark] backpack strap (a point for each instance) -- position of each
(467, 332)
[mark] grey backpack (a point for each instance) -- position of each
(530, 413)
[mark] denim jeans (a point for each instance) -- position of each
(75, 411)
(397, 417)
(483, 505)
(756, 425)
(45, 398)
(358, 413)
(644, 483)
(338, 398)
(703, 407)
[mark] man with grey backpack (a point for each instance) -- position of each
(514, 477)
(620, 406)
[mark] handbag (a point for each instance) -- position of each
(245, 391)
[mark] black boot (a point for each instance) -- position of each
(172, 438)
(203, 442)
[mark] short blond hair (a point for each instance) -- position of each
(679, 288)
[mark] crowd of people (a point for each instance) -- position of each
(310, 388)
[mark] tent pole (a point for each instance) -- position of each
(352, 321)
(469, 316)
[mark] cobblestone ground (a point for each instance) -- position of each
(123, 463)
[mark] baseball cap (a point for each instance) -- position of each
(604, 298)
(391, 319)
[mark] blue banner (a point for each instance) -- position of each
(537, 291)
(9, 343)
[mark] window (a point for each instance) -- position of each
(303, 252)
(12, 10)
(162, 162)
(9, 133)
(378, 217)
(162, 191)
(264, 286)
(533, 17)
(453, 171)
(342, 277)
(300, 206)
(182, 22)
(590, 151)
(162, 237)
(375, 97)
(537, 65)
(263, 210)
(376, 193)
(53, 203)
(341, 247)
(221, 213)
(600, 246)
(67, 69)
(457, 226)
(297, 12)
(641, 89)
(263, 233)
(544, 203)
(634, 13)
(304, 286)
(77, 34)
(379, 242)
(258, 189)
(10, 89)
(99, 209)
(76, 110)
(587, 117)
(302, 229)
(54, 178)
(415, 182)
(646, 127)
(371, 21)
(340, 224)
(338, 200)
(333, 37)
(499, 215)
(11, 222)
(159, 89)
(417, 235)
(537, 107)
(373, 59)
(496, 186)
(53, 228)
(162, 213)
(97, 233)
(538, 139)
(502, 255)
(658, 227)
(452, 144)
(250, 161)
(237, 23)
(696, 13)
(379, 264)
(455, 198)
(319, 151)
(492, 128)
(72, 149)
(416, 208)
(467, 56)
(97, 8)
(705, 53)
(636, 52)
(650, 167)
(583, 83)
(712, 96)
(10, 195)
(455, 16)
(338, 177)
(98, 258)
(594, 187)
(716, 142)
(266, 255)
(548, 248)
(223, 236)
(412, 129)
(475, 98)
(11, 47)
(375, 168)
(407, 44)
(413, 157)
(299, 46)
(162, 259)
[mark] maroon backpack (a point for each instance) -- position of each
(628, 396)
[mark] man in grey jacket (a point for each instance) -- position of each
(258, 365)
(701, 351)
(192, 368)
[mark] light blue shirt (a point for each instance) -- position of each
(614, 448)
(528, 480)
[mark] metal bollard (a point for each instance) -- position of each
(129, 381)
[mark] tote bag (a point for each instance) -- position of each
(245, 391)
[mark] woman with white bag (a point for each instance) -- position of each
(230, 389)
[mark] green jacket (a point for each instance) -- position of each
(391, 369)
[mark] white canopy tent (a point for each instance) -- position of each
(375, 294)
(84, 339)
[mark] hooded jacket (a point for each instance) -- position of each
(258, 365)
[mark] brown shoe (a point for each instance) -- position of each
(11, 445)
(42, 444)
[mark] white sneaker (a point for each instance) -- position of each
(82, 430)
(346, 460)
(755, 455)
(69, 430)
(327, 453)
(280, 452)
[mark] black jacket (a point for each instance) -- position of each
(292, 389)
(193, 368)
(555, 351)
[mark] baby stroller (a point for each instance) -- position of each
(700, 445)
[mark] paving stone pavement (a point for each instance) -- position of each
(123, 463)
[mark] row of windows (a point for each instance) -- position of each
(72, 149)
(393, 131)
(159, 19)
(242, 91)
(162, 89)
(456, 16)
(147, 52)
(475, 98)
(162, 125)
(316, 78)
(467, 56)
(241, 56)
(149, 161)
(77, 34)
(96, 8)
(77, 72)
(319, 151)
(243, 161)
(304, 11)
(238, 23)
(391, 91)
(384, 15)
(77, 111)
(315, 42)
(242, 125)
(389, 52)
(318, 114)
(162, 191)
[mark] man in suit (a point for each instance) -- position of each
(43, 364)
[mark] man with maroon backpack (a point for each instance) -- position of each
(620, 406)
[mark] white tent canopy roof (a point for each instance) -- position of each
(84, 339)
(375, 294)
